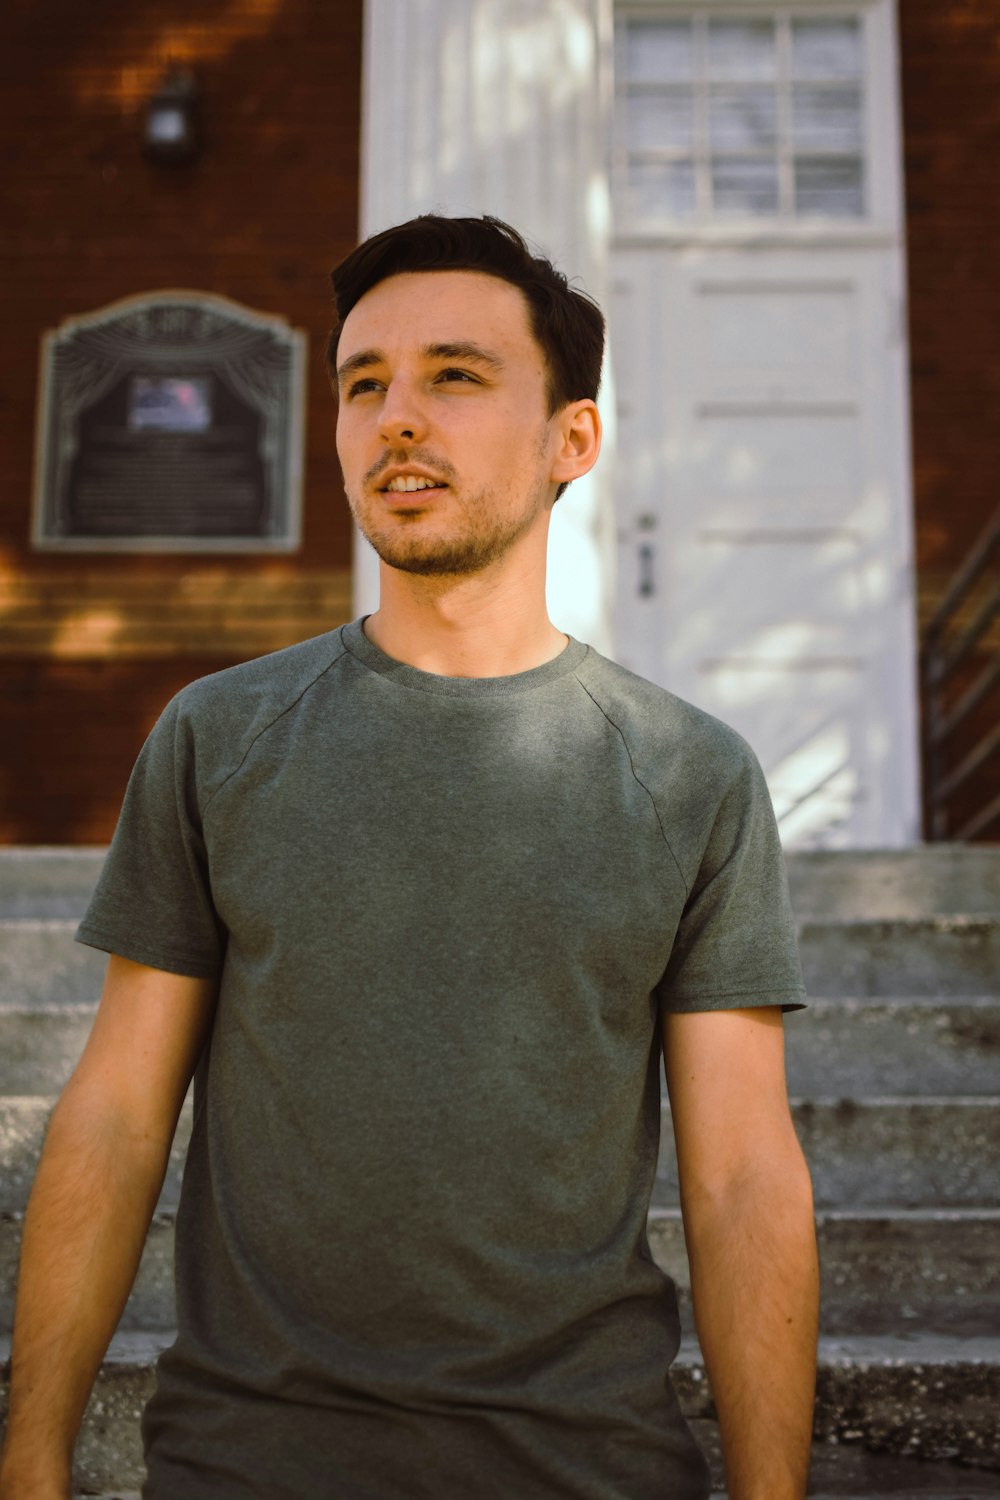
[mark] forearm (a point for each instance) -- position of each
(755, 1284)
(95, 1190)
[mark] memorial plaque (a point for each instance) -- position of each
(170, 422)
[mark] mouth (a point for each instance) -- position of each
(410, 484)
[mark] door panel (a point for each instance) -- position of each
(764, 564)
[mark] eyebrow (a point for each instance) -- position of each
(472, 353)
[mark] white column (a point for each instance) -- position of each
(500, 107)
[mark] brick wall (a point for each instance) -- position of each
(950, 55)
(271, 206)
(950, 60)
(85, 220)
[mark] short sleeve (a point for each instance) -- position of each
(736, 943)
(153, 900)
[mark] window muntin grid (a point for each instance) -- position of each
(723, 117)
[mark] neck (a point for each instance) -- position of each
(475, 626)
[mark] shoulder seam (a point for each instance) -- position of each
(270, 725)
(621, 734)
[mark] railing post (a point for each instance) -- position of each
(936, 815)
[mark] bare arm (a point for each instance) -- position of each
(98, 1180)
(746, 1198)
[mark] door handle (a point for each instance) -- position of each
(647, 584)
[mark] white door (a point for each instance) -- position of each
(763, 501)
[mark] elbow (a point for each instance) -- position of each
(773, 1183)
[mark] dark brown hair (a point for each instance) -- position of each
(567, 324)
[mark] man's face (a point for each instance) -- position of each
(443, 385)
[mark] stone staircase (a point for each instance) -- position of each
(895, 1081)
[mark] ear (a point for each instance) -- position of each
(578, 425)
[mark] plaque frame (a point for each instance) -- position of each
(195, 331)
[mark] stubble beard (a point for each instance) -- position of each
(440, 556)
(472, 549)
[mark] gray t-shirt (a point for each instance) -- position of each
(446, 913)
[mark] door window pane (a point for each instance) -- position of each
(826, 48)
(659, 51)
(744, 50)
(826, 119)
(660, 120)
(661, 190)
(744, 119)
(753, 115)
(740, 186)
(825, 186)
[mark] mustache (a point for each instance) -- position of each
(399, 457)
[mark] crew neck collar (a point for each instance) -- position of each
(366, 651)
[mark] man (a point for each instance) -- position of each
(418, 900)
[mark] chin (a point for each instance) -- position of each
(413, 547)
(431, 563)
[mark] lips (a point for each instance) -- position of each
(411, 484)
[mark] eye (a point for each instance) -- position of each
(361, 387)
(456, 374)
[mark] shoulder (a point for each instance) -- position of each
(215, 719)
(699, 772)
(672, 737)
(265, 685)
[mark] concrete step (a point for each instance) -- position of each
(886, 1272)
(936, 1482)
(904, 1153)
(40, 1046)
(837, 1472)
(932, 1399)
(850, 1471)
(40, 964)
(926, 879)
(915, 1395)
(888, 1476)
(48, 881)
(853, 1047)
(939, 955)
(929, 879)
(920, 1045)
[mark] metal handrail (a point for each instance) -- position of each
(940, 655)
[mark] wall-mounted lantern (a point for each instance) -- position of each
(172, 132)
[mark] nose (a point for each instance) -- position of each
(402, 416)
